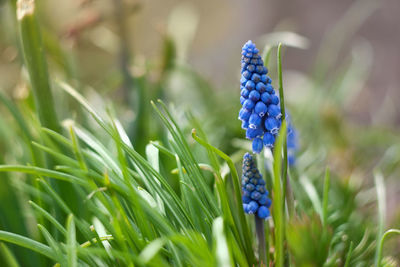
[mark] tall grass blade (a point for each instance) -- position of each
(278, 198)
(287, 192)
(36, 64)
(348, 258)
(312, 194)
(221, 246)
(8, 256)
(71, 240)
(381, 198)
(325, 197)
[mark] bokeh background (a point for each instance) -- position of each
(341, 70)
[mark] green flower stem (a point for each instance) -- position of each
(278, 198)
(286, 193)
(262, 258)
(35, 61)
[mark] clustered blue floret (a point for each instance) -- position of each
(260, 113)
(254, 194)
(292, 142)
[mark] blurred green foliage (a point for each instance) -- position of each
(308, 241)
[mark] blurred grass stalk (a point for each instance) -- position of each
(35, 61)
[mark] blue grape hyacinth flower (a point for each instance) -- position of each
(292, 142)
(254, 194)
(260, 113)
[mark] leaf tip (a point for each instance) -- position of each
(24, 8)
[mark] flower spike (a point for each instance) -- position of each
(260, 113)
(255, 195)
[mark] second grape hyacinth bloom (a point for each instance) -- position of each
(260, 113)
(292, 142)
(255, 195)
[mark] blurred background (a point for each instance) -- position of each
(341, 72)
(216, 31)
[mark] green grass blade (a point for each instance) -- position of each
(281, 95)
(75, 94)
(151, 250)
(381, 242)
(163, 149)
(49, 217)
(381, 198)
(348, 258)
(312, 194)
(71, 241)
(278, 198)
(60, 156)
(221, 246)
(27, 243)
(286, 192)
(42, 172)
(58, 200)
(53, 244)
(77, 149)
(36, 64)
(325, 197)
(8, 256)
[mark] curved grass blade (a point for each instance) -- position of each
(381, 242)
(49, 217)
(27, 243)
(151, 250)
(53, 244)
(42, 172)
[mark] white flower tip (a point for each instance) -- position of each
(24, 8)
